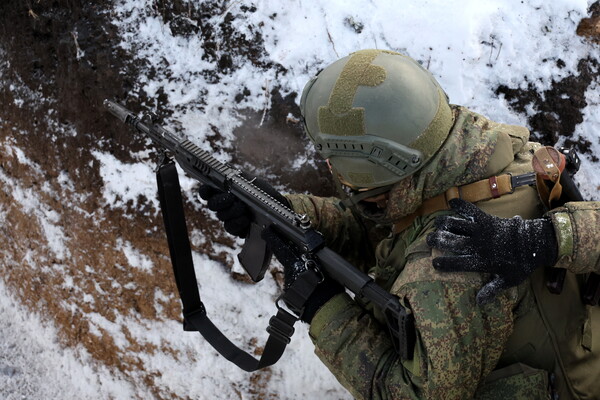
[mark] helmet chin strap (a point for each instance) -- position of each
(351, 201)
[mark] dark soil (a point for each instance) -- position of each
(64, 56)
(590, 27)
(558, 110)
(269, 141)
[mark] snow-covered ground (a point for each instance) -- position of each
(33, 365)
(471, 46)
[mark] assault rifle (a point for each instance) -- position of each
(255, 256)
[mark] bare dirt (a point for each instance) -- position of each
(42, 40)
(558, 110)
(590, 27)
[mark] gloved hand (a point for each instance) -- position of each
(509, 248)
(235, 215)
(293, 267)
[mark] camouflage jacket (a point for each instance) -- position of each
(458, 343)
(577, 227)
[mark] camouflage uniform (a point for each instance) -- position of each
(463, 350)
(577, 227)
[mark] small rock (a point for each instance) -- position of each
(353, 24)
(590, 27)
(183, 26)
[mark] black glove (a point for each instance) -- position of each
(235, 215)
(509, 248)
(293, 267)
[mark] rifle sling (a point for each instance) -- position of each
(280, 327)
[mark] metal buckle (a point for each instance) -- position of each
(280, 329)
(287, 309)
(522, 180)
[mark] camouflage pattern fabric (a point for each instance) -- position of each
(464, 158)
(517, 382)
(348, 235)
(577, 227)
(458, 342)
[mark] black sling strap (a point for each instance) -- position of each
(280, 327)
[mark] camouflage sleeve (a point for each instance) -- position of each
(343, 233)
(458, 342)
(577, 227)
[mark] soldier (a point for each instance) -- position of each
(399, 152)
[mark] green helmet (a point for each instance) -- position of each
(378, 116)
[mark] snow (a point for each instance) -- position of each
(33, 365)
(125, 183)
(28, 198)
(134, 257)
(588, 177)
(471, 46)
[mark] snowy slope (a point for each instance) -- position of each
(471, 46)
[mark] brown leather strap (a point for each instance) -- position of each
(548, 163)
(484, 189)
(494, 187)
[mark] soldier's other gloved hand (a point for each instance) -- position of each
(509, 248)
(293, 267)
(236, 216)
